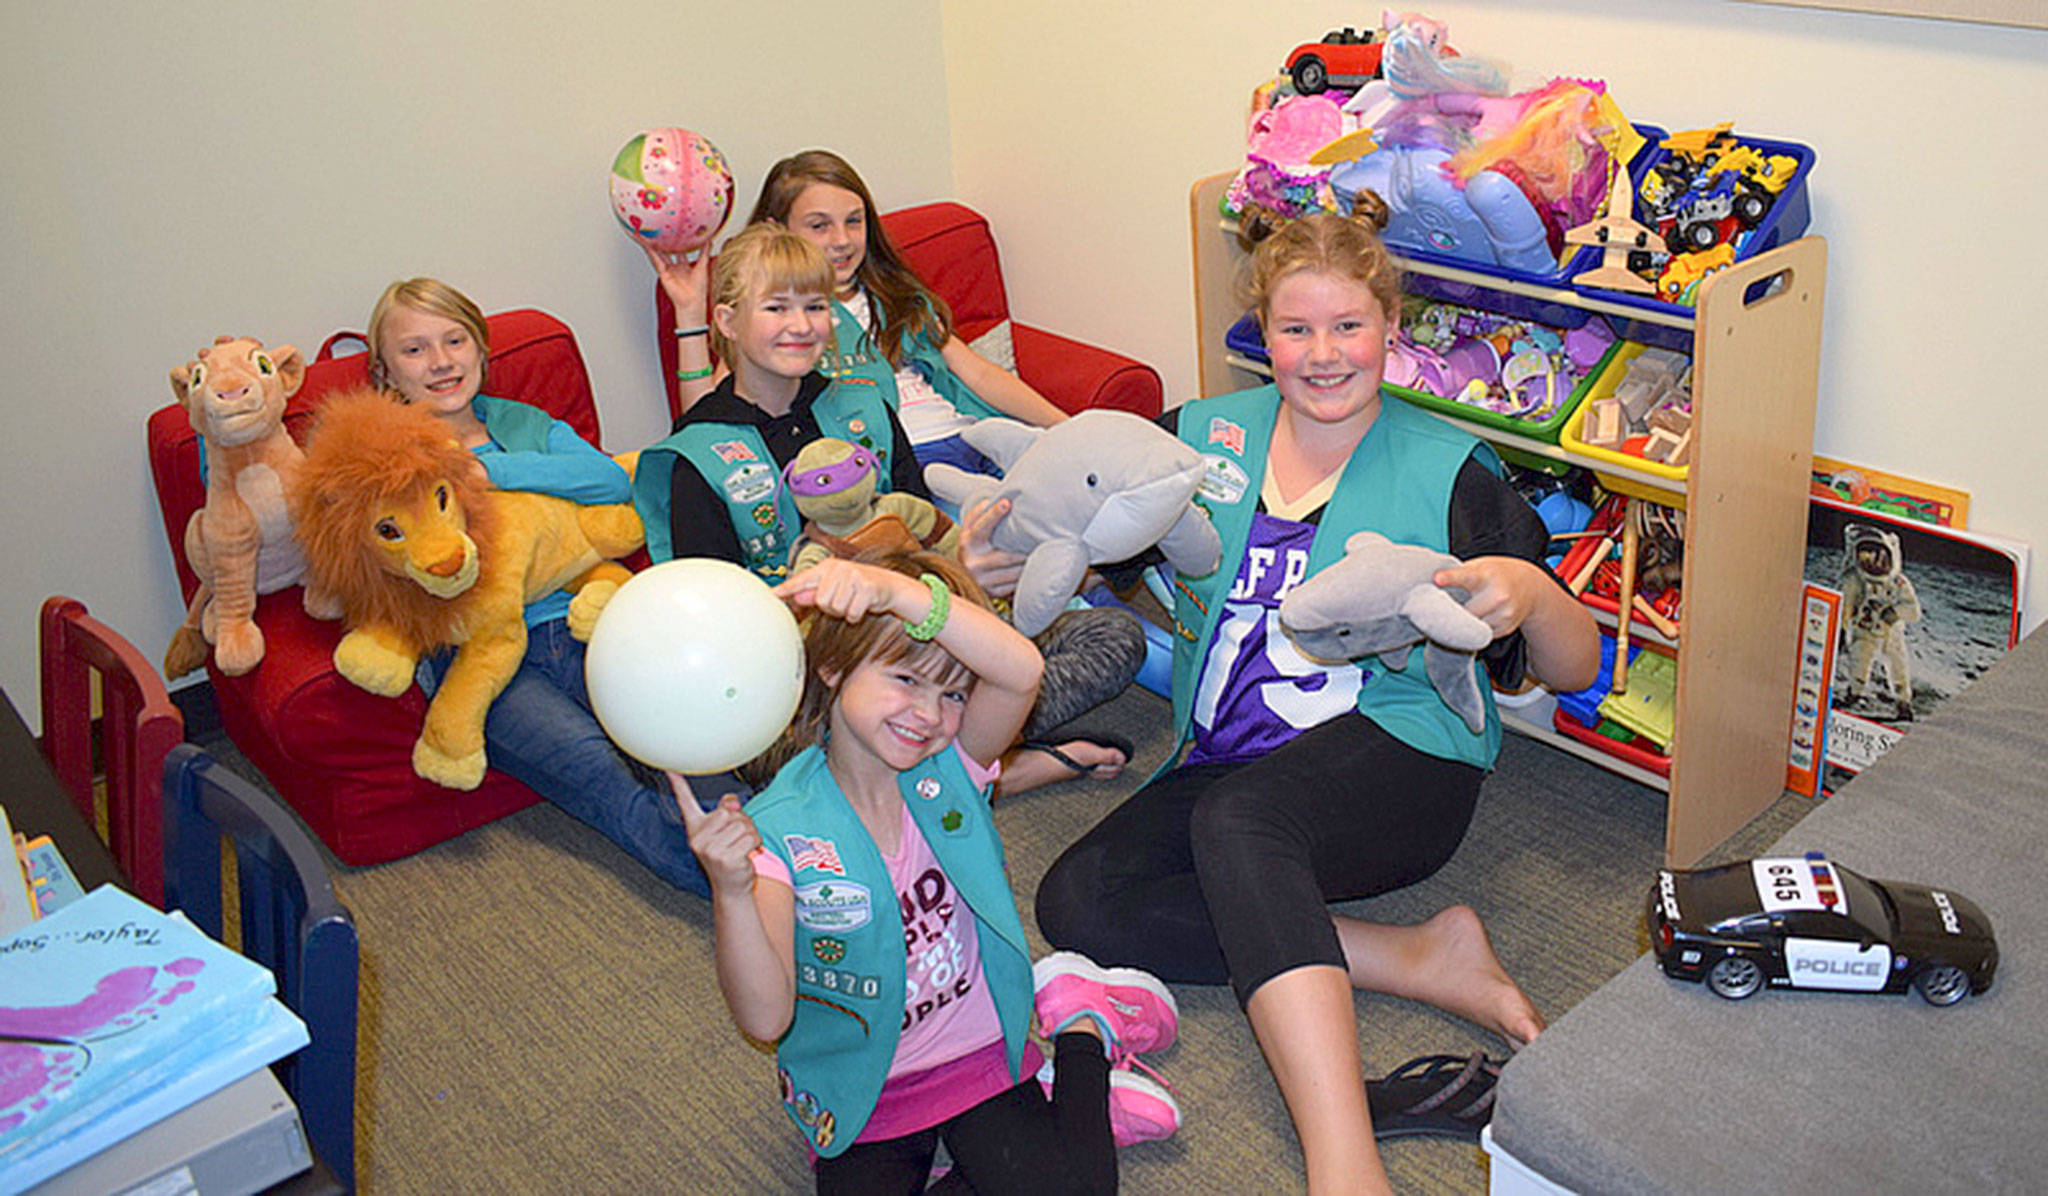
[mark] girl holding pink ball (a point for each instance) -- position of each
(889, 329)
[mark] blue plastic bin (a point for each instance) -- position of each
(1244, 339)
(1786, 221)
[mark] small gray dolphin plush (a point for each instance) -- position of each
(1379, 599)
(1100, 487)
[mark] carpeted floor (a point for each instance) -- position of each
(539, 1013)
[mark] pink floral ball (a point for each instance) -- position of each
(671, 189)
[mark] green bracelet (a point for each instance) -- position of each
(699, 330)
(693, 375)
(934, 620)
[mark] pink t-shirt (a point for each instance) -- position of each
(950, 1056)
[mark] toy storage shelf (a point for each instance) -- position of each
(1756, 363)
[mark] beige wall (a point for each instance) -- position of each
(174, 171)
(1079, 126)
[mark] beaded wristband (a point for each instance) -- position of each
(703, 371)
(934, 620)
(700, 330)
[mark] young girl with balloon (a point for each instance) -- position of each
(1308, 781)
(713, 487)
(428, 347)
(896, 1030)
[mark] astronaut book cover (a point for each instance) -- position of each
(1921, 612)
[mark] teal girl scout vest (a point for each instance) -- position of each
(854, 355)
(850, 970)
(736, 463)
(1398, 483)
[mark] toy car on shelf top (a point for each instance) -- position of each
(1344, 58)
(1806, 922)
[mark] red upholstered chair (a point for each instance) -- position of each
(139, 726)
(341, 756)
(953, 251)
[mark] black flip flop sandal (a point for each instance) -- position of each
(1114, 742)
(1440, 1095)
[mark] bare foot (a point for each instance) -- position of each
(1448, 962)
(1026, 768)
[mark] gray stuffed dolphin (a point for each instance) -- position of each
(1378, 599)
(1102, 486)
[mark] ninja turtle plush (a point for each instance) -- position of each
(833, 482)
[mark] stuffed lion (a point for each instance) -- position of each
(398, 522)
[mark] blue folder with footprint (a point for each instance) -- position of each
(114, 1015)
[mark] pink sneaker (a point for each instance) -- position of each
(1141, 1109)
(1134, 1010)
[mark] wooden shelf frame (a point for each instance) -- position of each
(1756, 372)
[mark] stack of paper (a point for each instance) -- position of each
(114, 1015)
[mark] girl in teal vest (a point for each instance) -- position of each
(1308, 781)
(714, 487)
(429, 345)
(889, 329)
(865, 924)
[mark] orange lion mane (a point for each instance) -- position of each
(366, 454)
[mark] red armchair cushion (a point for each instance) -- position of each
(340, 755)
(950, 247)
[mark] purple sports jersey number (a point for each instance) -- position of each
(1256, 690)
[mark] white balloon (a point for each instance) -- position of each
(695, 666)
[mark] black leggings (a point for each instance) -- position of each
(1222, 872)
(1014, 1142)
(1090, 656)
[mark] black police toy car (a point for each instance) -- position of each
(1805, 922)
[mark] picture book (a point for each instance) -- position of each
(114, 1015)
(1923, 611)
(1906, 498)
(17, 904)
(1820, 617)
(50, 877)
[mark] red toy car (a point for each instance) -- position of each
(1344, 58)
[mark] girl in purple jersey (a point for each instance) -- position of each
(1310, 782)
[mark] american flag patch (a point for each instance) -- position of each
(1227, 434)
(820, 855)
(730, 451)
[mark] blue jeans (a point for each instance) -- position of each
(541, 731)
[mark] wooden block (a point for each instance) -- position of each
(1636, 400)
(1671, 418)
(1681, 453)
(1661, 444)
(1604, 424)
